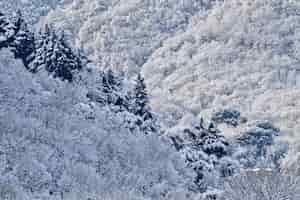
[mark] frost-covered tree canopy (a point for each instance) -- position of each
(149, 99)
(33, 9)
(54, 55)
(198, 56)
(243, 55)
(263, 185)
(51, 147)
(122, 34)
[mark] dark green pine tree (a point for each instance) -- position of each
(7, 31)
(140, 99)
(54, 55)
(24, 44)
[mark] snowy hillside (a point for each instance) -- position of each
(149, 100)
(56, 144)
(32, 9)
(198, 57)
(122, 34)
(243, 56)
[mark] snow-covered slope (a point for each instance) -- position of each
(122, 34)
(244, 55)
(56, 144)
(198, 58)
(31, 9)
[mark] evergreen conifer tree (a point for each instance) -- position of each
(109, 91)
(141, 108)
(40, 59)
(54, 55)
(141, 101)
(23, 44)
(206, 151)
(111, 87)
(7, 31)
(108, 82)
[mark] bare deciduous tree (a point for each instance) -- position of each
(262, 184)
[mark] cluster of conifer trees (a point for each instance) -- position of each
(48, 51)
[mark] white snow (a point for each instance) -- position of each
(242, 56)
(197, 58)
(49, 149)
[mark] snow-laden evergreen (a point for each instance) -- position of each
(259, 147)
(54, 55)
(23, 44)
(7, 31)
(206, 151)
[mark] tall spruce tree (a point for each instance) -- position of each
(140, 106)
(7, 31)
(24, 44)
(140, 99)
(41, 47)
(54, 55)
(109, 91)
(111, 87)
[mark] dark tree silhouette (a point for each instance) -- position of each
(23, 45)
(54, 55)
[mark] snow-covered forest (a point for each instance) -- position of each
(149, 100)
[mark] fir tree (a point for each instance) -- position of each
(206, 151)
(23, 44)
(40, 58)
(54, 55)
(107, 87)
(111, 87)
(109, 82)
(108, 90)
(7, 31)
(140, 107)
(141, 101)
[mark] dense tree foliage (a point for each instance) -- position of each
(24, 42)
(263, 184)
(7, 31)
(32, 10)
(207, 152)
(73, 129)
(257, 146)
(56, 144)
(54, 55)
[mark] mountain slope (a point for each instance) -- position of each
(56, 144)
(244, 55)
(122, 34)
(198, 58)
(32, 10)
